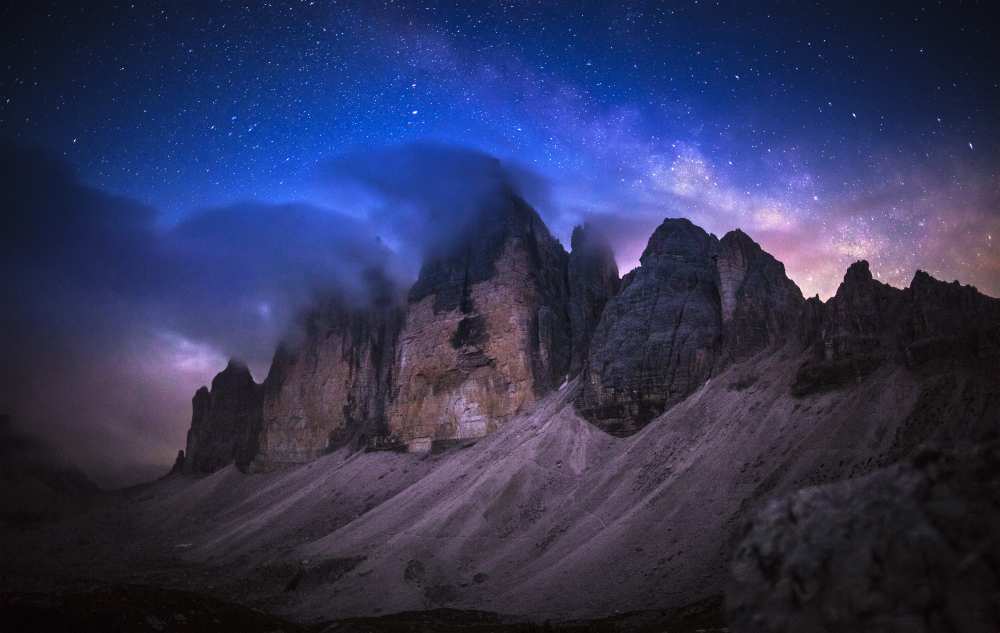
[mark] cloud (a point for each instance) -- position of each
(422, 195)
(111, 320)
(115, 318)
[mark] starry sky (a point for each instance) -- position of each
(829, 134)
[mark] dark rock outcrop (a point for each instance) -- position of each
(909, 548)
(224, 422)
(329, 385)
(760, 304)
(948, 320)
(178, 466)
(659, 337)
(693, 306)
(868, 323)
(487, 330)
(593, 281)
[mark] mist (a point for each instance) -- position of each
(115, 316)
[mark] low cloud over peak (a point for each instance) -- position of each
(117, 316)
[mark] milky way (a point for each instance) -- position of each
(828, 134)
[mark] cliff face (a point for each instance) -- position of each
(868, 323)
(760, 305)
(329, 387)
(743, 392)
(487, 330)
(501, 315)
(593, 281)
(658, 339)
(694, 305)
(224, 422)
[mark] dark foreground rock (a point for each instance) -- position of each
(915, 547)
(703, 617)
(131, 609)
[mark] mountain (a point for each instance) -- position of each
(694, 305)
(224, 421)
(37, 484)
(566, 444)
(593, 280)
(487, 330)
(329, 382)
(496, 319)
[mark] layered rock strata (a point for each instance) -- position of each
(328, 386)
(868, 323)
(487, 330)
(694, 305)
(500, 315)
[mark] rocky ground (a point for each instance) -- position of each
(549, 519)
(913, 547)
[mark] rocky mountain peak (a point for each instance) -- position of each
(236, 374)
(470, 254)
(501, 315)
(658, 339)
(225, 420)
(487, 329)
(694, 305)
(858, 273)
(760, 305)
(678, 239)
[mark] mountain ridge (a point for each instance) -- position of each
(552, 514)
(501, 315)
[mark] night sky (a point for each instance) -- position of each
(827, 134)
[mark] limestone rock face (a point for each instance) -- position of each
(909, 548)
(329, 386)
(694, 306)
(500, 315)
(760, 304)
(593, 280)
(658, 339)
(487, 330)
(224, 422)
